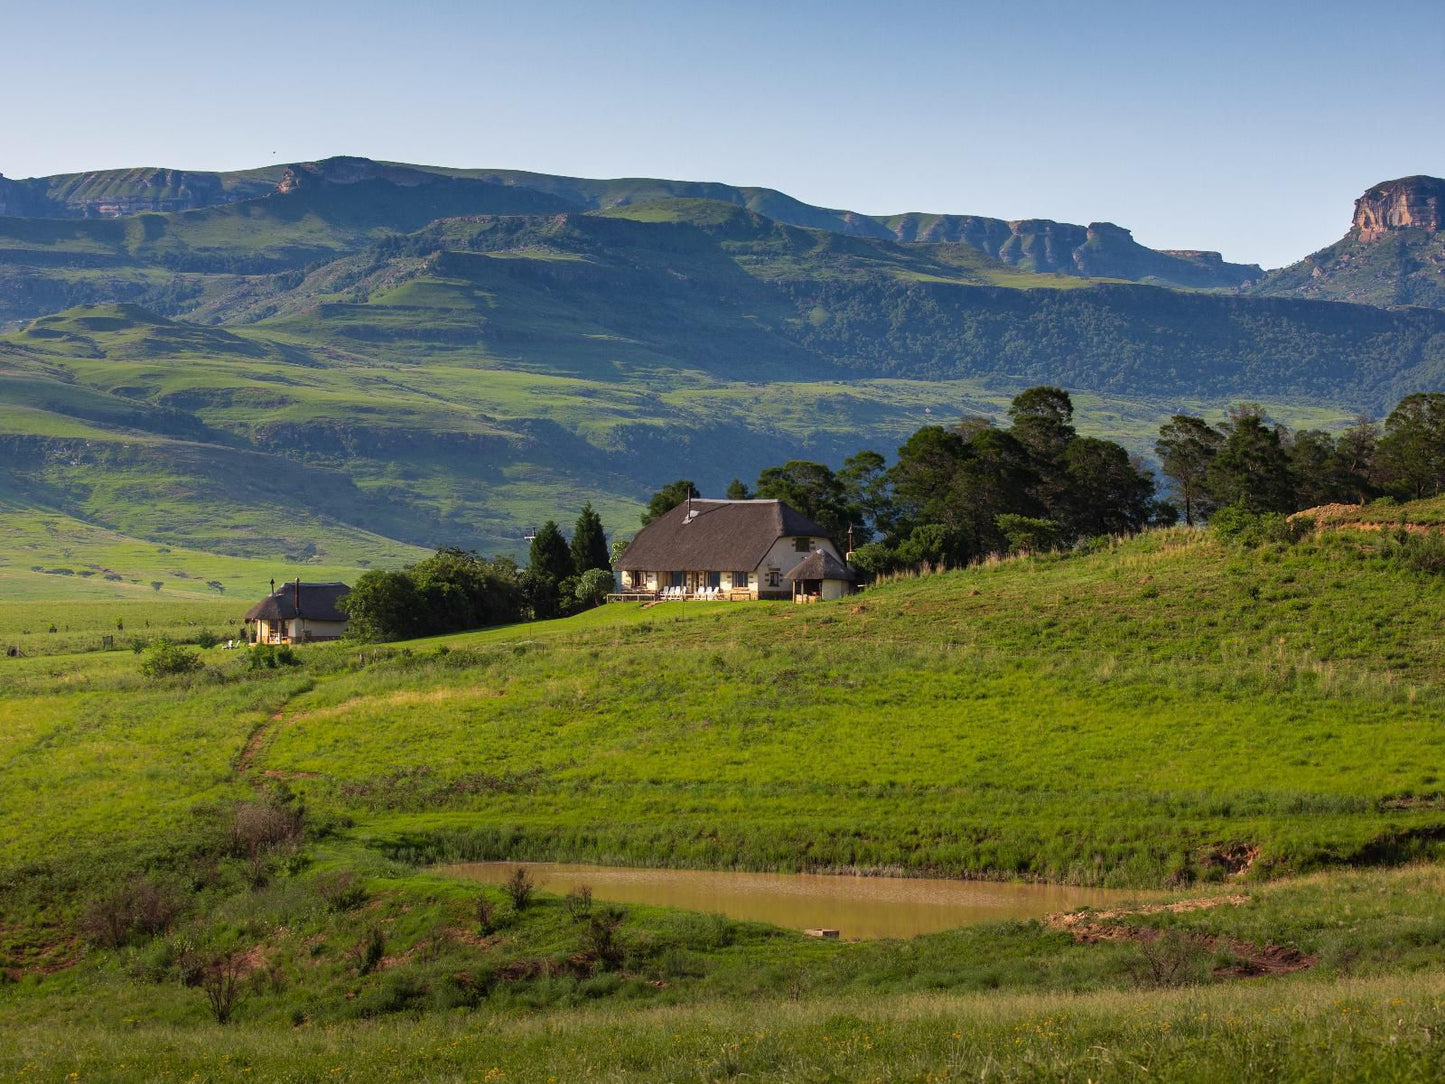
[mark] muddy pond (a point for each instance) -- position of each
(860, 908)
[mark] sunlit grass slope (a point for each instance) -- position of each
(1121, 718)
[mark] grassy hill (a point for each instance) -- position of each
(375, 357)
(1168, 714)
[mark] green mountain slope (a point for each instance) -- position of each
(1033, 245)
(387, 352)
(1394, 253)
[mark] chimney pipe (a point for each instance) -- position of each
(298, 596)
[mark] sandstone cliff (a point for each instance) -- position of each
(1393, 254)
(1409, 203)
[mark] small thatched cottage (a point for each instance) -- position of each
(299, 613)
(725, 550)
(821, 575)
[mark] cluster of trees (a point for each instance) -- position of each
(958, 493)
(1259, 466)
(455, 589)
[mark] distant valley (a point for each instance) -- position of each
(335, 362)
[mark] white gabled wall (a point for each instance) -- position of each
(783, 557)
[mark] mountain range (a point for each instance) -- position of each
(326, 359)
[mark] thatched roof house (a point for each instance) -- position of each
(300, 612)
(731, 549)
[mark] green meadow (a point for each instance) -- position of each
(1254, 729)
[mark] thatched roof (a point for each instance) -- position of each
(317, 603)
(821, 565)
(714, 536)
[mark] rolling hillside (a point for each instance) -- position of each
(1248, 740)
(373, 356)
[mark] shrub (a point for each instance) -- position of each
(1171, 959)
(341, 891)
(221, 981)
(271, 657)
(371, 950)
(206, 639)
(486, 912)
(600, 939)
(1239, 526)
(165, 658)
(140, 906)
(579, 902)
(519, 887)
(1025, 534)
(259, 829)
(593, 586)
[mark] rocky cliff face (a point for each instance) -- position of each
(1409, 203)
(1394, 253)
(1100, 249)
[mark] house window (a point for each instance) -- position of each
(774, 578)
(677, 579)
(802, 545)
(714, 579)
(740, 580)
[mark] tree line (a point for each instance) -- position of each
(1264, 467)
(955, 494)
(958, 493)
(456, 589)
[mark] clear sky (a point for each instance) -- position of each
(1244, 127)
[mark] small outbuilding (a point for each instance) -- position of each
(820, 575)
(299, 613)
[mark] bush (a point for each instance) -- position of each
(206, 639)
(165, 658)
(341, 891)
(1025, 534)
(600, 939)
(579, 902)
(371, 950)
(271, 657)
(519, 887)
(221, 980)
(1171, 959)
(486, 912)
(593, 586)
(1239, 526)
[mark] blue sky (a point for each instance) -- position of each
(1248, 128)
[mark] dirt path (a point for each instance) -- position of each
(252, 748)
(1252, 961)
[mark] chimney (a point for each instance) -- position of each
(298, 596)
(273, 585)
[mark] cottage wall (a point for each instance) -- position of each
(782, 558)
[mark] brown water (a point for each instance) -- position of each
(858, 907)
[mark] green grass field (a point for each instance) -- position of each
(1168, 715)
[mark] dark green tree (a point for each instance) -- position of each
(589, 543)
(550, 556)
(667, 498)
(1186, 447)
(382, 605)
(864, 478)
(1108, 492)
(738, 490)
(1042, 422)
(812, 489)
(1356, 451)
(1412, 451)
(1251, 468)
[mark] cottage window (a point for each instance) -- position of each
(714, 579)
(740, 580)
(774, 578)
(802, 545)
